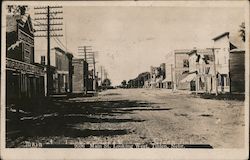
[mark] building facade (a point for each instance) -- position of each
(60, 71)
(226, 47)
(201, 70)
(80, 74)
(237, 70)
(181, 68)
(157, 75)
(61, 63)
(220, 69)
(24, 78)
(168, 81)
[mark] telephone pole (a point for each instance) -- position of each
(83, 51)
(49, 12)
(172, 82)
(92, 63)
(101, 75)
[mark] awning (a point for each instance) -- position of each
(189, 78)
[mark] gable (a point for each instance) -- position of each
(236, 42)
(26, 25)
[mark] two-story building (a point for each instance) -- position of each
(201, 70)
(168, 81)
(181, 69)
(157, 75)
(80, 76)
(61, 61)
(24, 79)
(219, 69)
(229, 53)
(60, 70)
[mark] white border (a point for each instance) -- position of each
(8, 153)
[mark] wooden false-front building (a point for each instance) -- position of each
(24, 79)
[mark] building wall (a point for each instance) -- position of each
(237, 71)
(23, 85)
(157, 75)
(192, 62)
(19, 40)
(24, 81)
(62, 61)
(61, 75)
(181, 68)
(167, 82)
(222, 48)
(78, 76)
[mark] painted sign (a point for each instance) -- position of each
(24, 67)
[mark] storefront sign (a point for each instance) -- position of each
(24, 67)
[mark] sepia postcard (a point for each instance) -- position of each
(125, 80)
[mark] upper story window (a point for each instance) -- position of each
(185, 63)
(43, 60)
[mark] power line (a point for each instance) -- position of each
(57, 40)
(48, 11)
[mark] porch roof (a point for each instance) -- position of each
(189, 78)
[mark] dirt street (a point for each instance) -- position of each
(138, 116)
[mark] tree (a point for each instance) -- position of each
(106, 82)
(130, 83)
(242, 31)
(124, 83)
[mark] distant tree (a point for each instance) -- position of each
(17, 9)
(124, 83)
(130, 83)
(106, 82)
(242, 31)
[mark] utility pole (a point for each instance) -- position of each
(90, 59)
(101, 75)
(216, 85)
(42, 22)
(48, 54)
(105, 74)
(172, 83)
(84, 50)
(94, 81)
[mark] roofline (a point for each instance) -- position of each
(192, 52)
(237, 51)
(182, 50)
(221, 35)
(59, 49)
(78, 59)
(199, 51)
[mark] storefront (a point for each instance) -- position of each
(23, 81)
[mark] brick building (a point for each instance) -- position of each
(80, 76)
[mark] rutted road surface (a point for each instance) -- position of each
(137, 116)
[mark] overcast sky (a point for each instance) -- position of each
(131, 39)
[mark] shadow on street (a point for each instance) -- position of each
(59, 118)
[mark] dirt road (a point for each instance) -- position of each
(139, 116)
